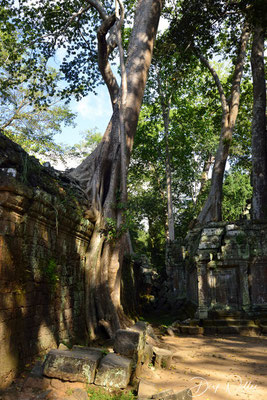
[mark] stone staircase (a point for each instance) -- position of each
(221, 323)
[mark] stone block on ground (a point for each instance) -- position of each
(146, 390)
(183, 395)
(129, 343)
(163, 358)
(75, 365)
(114, 371)
(62, 346)
(162, 395)
(37, 370)
(147, 354)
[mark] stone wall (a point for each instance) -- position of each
(44, 241)
(226, 267)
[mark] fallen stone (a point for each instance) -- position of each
(79, 366)
(62, 347)
(146, 390)
(37, 370)
(184, 395)
(147, 354)
(162, 395)
(114, 371)
(163, 358)
(128, 343)
(170, 332)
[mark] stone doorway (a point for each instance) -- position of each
(223, 284)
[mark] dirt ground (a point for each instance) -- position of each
(215, 368)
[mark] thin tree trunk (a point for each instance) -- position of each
(100, 177)
(165, 107)
(259, 139)
(212, 209)
(170, 233)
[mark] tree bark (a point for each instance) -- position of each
(259, 139)
(212, 209)
(100, 177)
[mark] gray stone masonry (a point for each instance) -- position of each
(114, 371)
(75, 366)
(227, 267)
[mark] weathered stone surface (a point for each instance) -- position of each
(212, 231)
(44, 237)
(234, 276)
(128, 342)
(163, 394)
(183, 395)
(62, 347)
(146, 390)
(73, 365)
(163, 357)
(114, 371)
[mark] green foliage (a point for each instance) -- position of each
(112, 232)
(51, 272)
(86, 146)
(237, 193)
(102, 394)
(30, 112)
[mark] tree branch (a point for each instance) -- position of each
(119, 11)
(216, 78)
(103, 63)
(14, 116)
(99, 7)
(235, 92)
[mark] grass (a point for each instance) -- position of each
(102, 394)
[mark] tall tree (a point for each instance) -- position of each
(76, 26)
(212, 209)
(259, 133)
(204, 28)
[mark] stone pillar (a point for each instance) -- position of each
(202, 311)
(244, 287)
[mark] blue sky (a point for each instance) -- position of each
(93, 111)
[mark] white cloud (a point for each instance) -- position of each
(92, 107)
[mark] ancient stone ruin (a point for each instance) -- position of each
(116, 369)
(226, 268)
(45, 232)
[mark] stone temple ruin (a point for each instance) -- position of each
(226, 268)
(44, 240)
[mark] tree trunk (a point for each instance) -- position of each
(259, 140)
(212, 209)
(100, 177)
(205, 173)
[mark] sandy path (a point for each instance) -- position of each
(215, 368)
